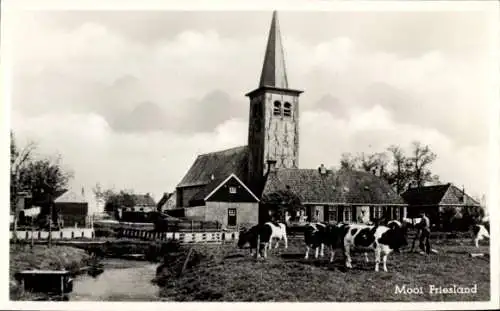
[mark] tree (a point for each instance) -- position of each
(115, 201)
(399, 175)
(395, 167)
(282, 201)
(422, 157)
(19, 159)
(43, 178)
(348, 161)
(375, 163)
(46, 179)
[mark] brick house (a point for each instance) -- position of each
(434, 200)
(214, 189)
(338, 196)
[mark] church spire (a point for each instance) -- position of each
(274, 70)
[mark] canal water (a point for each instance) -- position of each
(122, 280)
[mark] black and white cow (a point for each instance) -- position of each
(260, 237)
(382, 239)
(314, 237)
(480, 231)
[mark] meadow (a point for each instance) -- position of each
(225, 273)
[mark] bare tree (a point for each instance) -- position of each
(348, 161)
(399, 176)
(375, 163)
(19, 160)
(421, 159)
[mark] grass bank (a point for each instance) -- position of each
(224, 273)
(23, 257)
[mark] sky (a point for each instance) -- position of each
(130, 98)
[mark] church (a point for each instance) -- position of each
(228, 185)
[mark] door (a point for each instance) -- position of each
(231, 217)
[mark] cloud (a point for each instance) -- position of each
(131, 98)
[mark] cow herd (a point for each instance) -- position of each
(382, 239)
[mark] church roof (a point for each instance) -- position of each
(219, 165)
(274, 70)
(341, 187)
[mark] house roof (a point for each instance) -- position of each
(220, 164)
(164, 199)
(342, 186)
(144, 200)
(225, 181)
(71, 197)
(428, 195)
(434, 195)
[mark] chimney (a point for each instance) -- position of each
(322, 169)
(271, 165)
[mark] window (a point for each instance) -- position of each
(397, 214)
(378, 212)
(232, 190)
(332, 214)
(277, 108)
(347, 214)
(287, 111)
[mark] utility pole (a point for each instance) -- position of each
(50, 224)
(32, 234)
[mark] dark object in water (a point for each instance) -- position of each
(134, 256)
(93, 272)
(95, 269)
(46, 281)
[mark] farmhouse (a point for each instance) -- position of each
(228, 185)
(142, 203)
(435, 200)
(73, 208)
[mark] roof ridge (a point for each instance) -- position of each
(222, 151)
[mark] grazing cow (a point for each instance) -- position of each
(259, 237)
(480, 232)
(412, 222)
(314, 237)
(383, 239)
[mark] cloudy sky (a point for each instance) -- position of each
(128, 99)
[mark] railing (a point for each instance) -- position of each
(182, 237)
(68, 234)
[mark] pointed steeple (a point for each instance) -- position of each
(274, 70)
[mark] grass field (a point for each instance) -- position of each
(224, 273)
(23, 257)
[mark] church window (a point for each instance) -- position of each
(277, 108)
(232, 190)
(287, 111)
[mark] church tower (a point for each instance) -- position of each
(273, 133)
